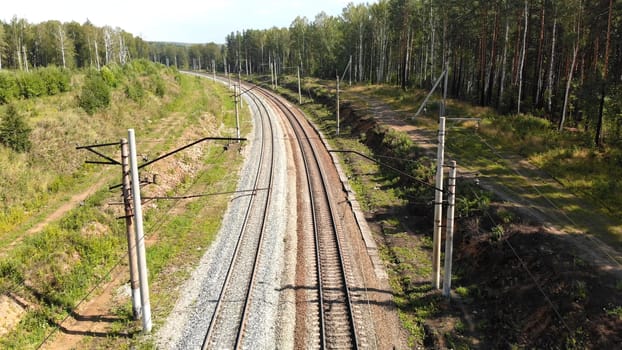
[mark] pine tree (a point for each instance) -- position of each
(14, 132)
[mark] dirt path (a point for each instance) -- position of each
(65, 207)
(526, 191)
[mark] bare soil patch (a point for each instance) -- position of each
(12, 309)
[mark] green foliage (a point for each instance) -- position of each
(9, 274)
(95, 93)
(111, 75)
(8, 87)
(497, 233)
(31, 84)
(469, 204)
(159, 87)
(56, 80)
(14, 132)
(505, 215)
(615, 311)
(40, 82)
(400, 143)
(134, 91)
(141, 67)
(462, 291)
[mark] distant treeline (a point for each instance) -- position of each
(560, 60)
(25, 46)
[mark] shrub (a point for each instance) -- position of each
(135, 91)
(8, 87)
(55, 79)
(14, 132)
(31, 85)
(95, 93)
(109, 76)
(142, 67)
(497, 233)
(160, 87)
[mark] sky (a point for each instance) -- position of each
(188, 21)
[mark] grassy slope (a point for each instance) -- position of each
(590, 179)
(55, 268)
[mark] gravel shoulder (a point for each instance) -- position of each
(186, 325)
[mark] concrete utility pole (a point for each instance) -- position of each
(240, 87)
(438, 206)
(237, 111)
(214, 69)
(337, 104)
(350, 71)
(140, 236)
(271, 71)
(129, 225)
(276, 75)
(299, 93)
(449, 239)
(224, 59)
(444, 104)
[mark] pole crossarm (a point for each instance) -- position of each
(458, 119)
(90, 148)
(181, 149)
(247, 90)
(99, 145)
(191, 196)
(387, 166)
(190, 145)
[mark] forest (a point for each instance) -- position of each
(559, 60)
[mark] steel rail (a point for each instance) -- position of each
(230, 271)
(312, 161)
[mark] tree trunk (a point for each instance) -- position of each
(25, 55)
(482, 58)
(96, 55)
(598, 139)
(504, 63)
(360, 60)
(61, 37)
(493, 59)
(551, 65)
(522, 59)
(568, 83)
(539, 70)
(516, 59)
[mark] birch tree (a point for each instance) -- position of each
(61, 39)
(575, 52)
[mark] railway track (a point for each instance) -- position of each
(336, 326)
(331, 308)
(228, 322)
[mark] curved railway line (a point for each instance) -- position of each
(331, 311)
(228, 321)
(336, 321)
